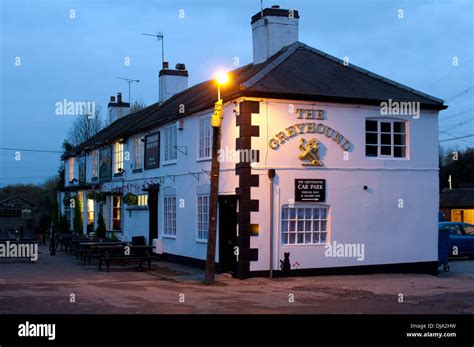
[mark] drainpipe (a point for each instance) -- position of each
(271, 176)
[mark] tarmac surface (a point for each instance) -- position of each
(62, 284)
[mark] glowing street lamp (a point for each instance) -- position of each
(221, 78)
(216, 121)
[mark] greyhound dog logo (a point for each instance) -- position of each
(310, 152)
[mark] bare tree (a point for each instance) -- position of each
(84, 127)
(137, 105)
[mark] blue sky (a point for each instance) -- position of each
(79, 58)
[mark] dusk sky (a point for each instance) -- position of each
(47, 56)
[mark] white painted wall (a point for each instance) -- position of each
(390, 234)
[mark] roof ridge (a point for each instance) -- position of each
(372, 74)
(290, 49)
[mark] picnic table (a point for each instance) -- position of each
(88, 250)
(124, 254)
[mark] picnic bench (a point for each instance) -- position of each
(124, 254)
(88, 250)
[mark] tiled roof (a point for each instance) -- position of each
(296, 72)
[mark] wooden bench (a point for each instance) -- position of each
(119, 254)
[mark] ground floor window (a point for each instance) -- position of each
(203, 216)
(169, 218)
(304, 225)
(142, 200)
(114, 213)
(90, 211)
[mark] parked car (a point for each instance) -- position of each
(461, 238)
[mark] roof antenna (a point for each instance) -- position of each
(261, 7)
(129, 81)
(159, 36)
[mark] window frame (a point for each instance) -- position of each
(202, 227)
(203, 120)
(95, 163)
(169, 216)
(173, 143)
(138, 153)
(110, 206)
(71, 169)
(304, 220)
(392, 133)
(118, 158)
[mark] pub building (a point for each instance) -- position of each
(323, 181)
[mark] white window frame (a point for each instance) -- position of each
(392, 138)
(170, 144)
(138, 153)
(313, 224)
(169, 216)
(95, 163)
(142, 200)
(202, 204)
(118, 157)
(71, 169)
(109, 214)
(90, 211)
(204, 138)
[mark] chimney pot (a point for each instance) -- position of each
(112, 98)
(276, 6)
(180, 66)
(166, 65)
(119, 98)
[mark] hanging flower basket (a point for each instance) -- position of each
(130, 199)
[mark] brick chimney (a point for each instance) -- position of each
(172, 81)
(117, 109)
(272, 29)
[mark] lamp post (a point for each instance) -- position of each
(216, 122)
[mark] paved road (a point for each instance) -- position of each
(62, 284)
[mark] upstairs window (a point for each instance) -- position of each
(171, 153)
(71, 169)
(137, 153)
(204, 138)
(95, 163)
(385, 138)
(118, 152)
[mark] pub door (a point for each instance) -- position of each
(227, 233)
(153, 215)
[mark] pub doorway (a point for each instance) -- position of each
(152, 215)
(227, 233)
